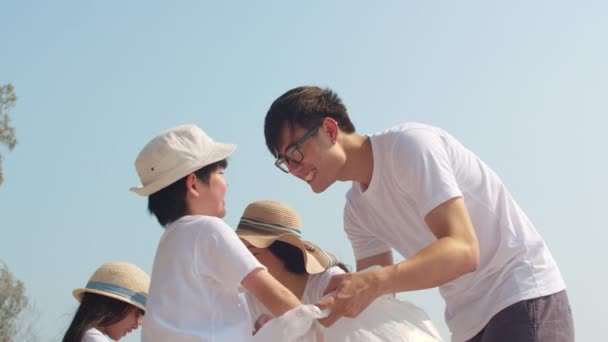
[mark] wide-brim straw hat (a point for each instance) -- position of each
(174, 154)
(119, 280)
(265, 222)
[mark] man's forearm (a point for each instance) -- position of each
(442, 261)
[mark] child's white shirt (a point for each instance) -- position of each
(94, 335)
(195, 292)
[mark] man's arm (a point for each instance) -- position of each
(276, 297)
(382, 259)
(454, 253)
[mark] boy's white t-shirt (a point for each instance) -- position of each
(418, 167)
(94, 335)
(195, 292)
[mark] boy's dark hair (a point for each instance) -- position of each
(292, 257)
(169, 203)
(305, 107)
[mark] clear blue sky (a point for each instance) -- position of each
(522, 83)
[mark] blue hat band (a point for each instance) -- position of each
(117, 290)
(269, 228)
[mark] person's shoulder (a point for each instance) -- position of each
(406, 129)
(195, 224)
(317, 283)
(334, 270)
(93, 335)
(326, 275)
(406, 132)
(412, 137)
(198, 221)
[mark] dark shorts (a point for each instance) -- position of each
(543, 319)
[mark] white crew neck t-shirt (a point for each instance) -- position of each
(94, 335)
(195, 292)
(417, 167)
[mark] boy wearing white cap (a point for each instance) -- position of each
(200, 263)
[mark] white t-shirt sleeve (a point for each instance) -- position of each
(94, 335)
(363, 242)
(256, 308)
(221, 254)
(317, 283)
(422, 167)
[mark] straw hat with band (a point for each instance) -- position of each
(174, 154)
(119, 280)
(265, 222)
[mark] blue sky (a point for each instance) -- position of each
(524, 84)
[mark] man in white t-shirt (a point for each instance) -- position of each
(201, 266)
(417, 190)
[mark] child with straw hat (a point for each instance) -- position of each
(112, 303)
(273, 233)
(200, 265)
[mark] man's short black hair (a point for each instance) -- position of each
(305, 107)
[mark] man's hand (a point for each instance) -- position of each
(349, 295)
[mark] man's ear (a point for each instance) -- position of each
(331, 127)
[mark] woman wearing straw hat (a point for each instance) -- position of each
(272, 232)
(112, 303)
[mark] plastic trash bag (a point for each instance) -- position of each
(387, 319)
(297, 324)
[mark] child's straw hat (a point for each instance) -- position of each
(265, 222)
(118, 280)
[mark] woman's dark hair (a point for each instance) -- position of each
(293, 258)
(305, 107)
(96, 310)
(169, 203)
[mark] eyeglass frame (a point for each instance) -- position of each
(284, 159)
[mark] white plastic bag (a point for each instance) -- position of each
(297, 324)
(387, 319)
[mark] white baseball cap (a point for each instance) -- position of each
(174, 154)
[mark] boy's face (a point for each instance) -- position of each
(211, 199)
(316, 160)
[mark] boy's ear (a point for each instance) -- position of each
(192, 187)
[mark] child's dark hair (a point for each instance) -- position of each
(96, 310)
(293, 258)
(169, 203)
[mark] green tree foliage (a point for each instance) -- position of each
(13, 302)
(8, 99)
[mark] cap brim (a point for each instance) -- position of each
(223, 151)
